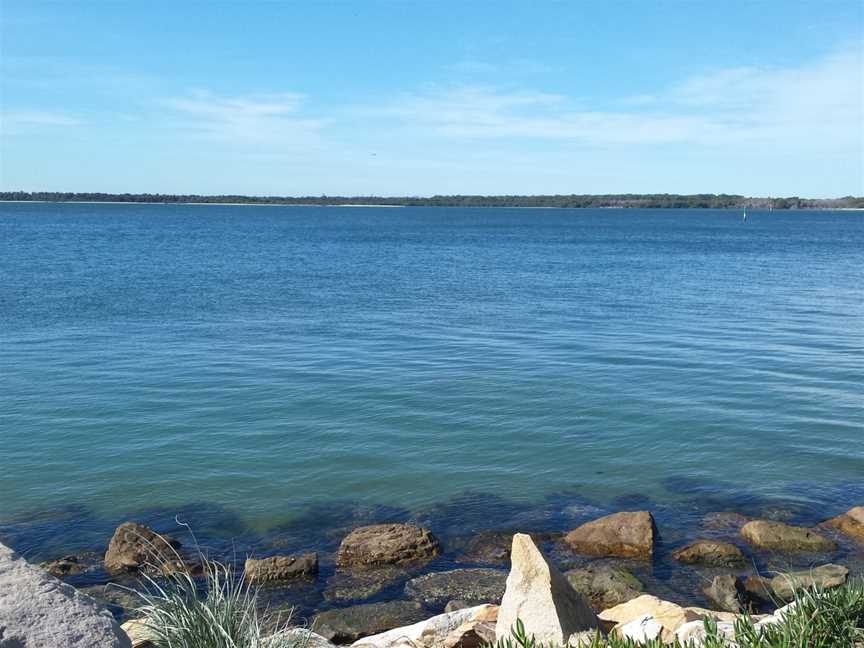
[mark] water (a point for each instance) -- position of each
(273, 368)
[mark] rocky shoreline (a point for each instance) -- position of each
(394, 575)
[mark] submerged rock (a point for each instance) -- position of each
(39, 611)
(386, 544)
(343, 587)
(491, 547)
(778, 536)
(474, 586)
(539, 595)
(71, 565)
(709, 552)
(117, 600)
(277, 569)
(349, 624)
(726, 593)
(625, 535)
(851, 523)
(604, 585)
(724, 520)
(825, 576)
(134, 546)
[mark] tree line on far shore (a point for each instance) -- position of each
(665, 201)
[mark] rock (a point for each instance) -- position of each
(134, 545)
(824, 577)
(539, 595)
(726, 593)
(386, 544)
(669, 615)
(456, 604)
(280, 568)
(642, 629)
(777, 536)
(491, 547)
(693, 633)
(62, 567)
(724, 520)
(717, 615)
(709, 552)
(139, 633)
(301, 638)
(758, 589)
(604, 586)
(349, 624)
(431, 632)
(358, 586)
(475, 633)
(118, 601)
(475, 586)
(39, 611)
(851, 523)
(626, 535)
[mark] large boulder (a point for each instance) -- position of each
(850, 523)
(709, 552)
(277, 569)
(625, 535)
(669, 615)
(39, 611)
(825, 577)
(386, 544)
(538, 594)
(345, 625)
(433, 632)
(474, 586)
(604, 585)
(134, 546)
(777, 536)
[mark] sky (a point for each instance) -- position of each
(417, 98)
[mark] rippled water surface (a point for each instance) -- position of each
(265, 360)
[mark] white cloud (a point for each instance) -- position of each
(16, 119)
(261, 119)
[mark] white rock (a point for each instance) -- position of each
(435, 629)
(667, 614)
(694, 631)
(541, 597)
(643, 628)
(39, 611)
(305, 638)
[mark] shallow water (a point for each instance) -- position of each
(283, 372)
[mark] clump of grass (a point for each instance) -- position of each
(819, 619)
(216, 609)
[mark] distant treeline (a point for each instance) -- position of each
(668, 201)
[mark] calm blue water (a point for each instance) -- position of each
(265, 360)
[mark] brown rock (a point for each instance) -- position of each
(709, 552)
(471, 634)
(386, 544)
(850, 523)
(280, 568)
(777, 536)
(726, 593)
(758, 589)
(349, 624)
(626, 535)
(65, 566)
(669, 615)
(823, 577)
(134, 545)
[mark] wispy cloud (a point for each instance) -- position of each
(815, 105)
(26, 121)
(267, 118)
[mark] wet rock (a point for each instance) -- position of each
(709, 552)
(724, 520)
(40, 611)
(826, 577)
(69, 565)
(626, 535)
(490, 547)
(277, 569)
(349, 624)
(669, 615)
(726, 593)
(777, 536)
(118, 601)
(759, 590)
(851, 523)
(363, 585)
(475, 586)
(431, 633)
(604, 585)
(539, 595)
(386, 544)
(134, 546)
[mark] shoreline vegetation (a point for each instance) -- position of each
(570, 201)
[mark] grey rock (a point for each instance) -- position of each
(605, 586)
(824, 576)
(726, 593)
(39, 611)
(113, 598)
(474, 586)
(349, 624)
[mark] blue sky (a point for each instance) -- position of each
(411, 98)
